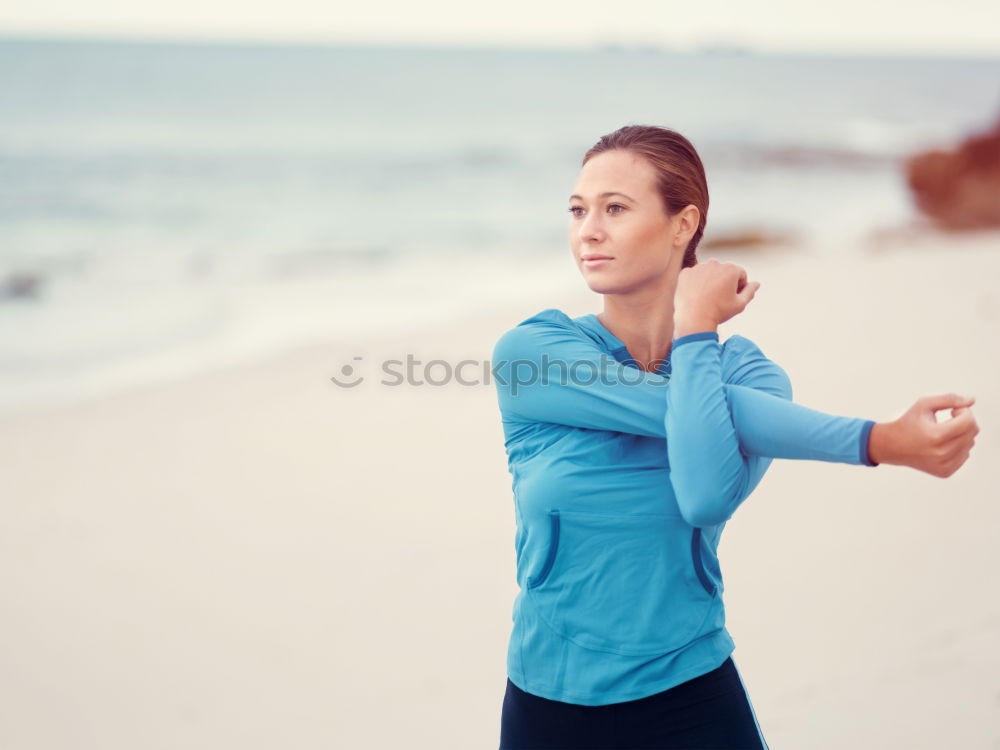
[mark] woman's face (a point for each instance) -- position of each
(617, 216)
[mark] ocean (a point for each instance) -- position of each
(170, 207)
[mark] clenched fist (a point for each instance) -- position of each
(919, 441)
(708, 294)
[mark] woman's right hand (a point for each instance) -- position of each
(919, 441)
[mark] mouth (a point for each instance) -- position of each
(593, 260)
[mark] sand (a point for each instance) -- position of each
(256, 558)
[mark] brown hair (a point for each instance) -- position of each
(680, 173)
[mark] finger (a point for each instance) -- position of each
(741, 281)
(963, 419)
(960, 444)
(962, 410)
(931, 404)
(749, 291)
(967, 435)
(959, 461)
(946, 401)
(956, 412)
(962, 424)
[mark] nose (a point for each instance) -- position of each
(590, 229)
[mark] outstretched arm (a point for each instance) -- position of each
(721, 437)
(546, 371)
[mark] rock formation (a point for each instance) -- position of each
(959, 189)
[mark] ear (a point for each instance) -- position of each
(686, 223)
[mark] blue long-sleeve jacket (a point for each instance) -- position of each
(623, 481)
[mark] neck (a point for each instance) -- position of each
(643, 321)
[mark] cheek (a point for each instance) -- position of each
(648, 250)
(654, 245)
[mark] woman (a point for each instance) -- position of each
(622, 486)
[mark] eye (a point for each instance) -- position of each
(574, 209)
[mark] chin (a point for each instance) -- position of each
(602, 286)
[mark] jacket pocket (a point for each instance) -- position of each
(553, 548)
(621, 583)
(699, 564)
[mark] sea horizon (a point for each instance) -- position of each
(183, 205)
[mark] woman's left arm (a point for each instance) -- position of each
(710, 465)
(714, 467)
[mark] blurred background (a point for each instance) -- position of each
(207, 209)
(239, 197)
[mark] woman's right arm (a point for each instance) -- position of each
(547, 372)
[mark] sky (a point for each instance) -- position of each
(887, 27)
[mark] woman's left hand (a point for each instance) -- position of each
(708, 294)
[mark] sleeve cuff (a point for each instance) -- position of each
(866, 430)
(700, 336)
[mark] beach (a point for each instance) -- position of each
(255, 557)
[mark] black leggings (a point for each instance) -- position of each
(710, 711)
